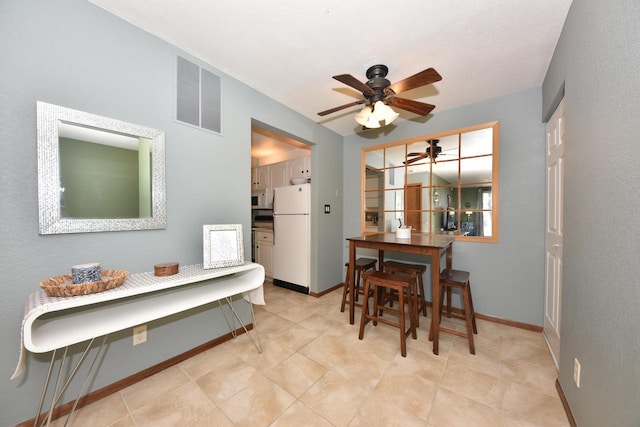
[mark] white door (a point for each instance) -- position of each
(553, 246)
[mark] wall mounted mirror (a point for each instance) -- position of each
(442, 184)
(98, 174)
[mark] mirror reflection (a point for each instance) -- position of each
(444, 184)
(98, 174)
(103, 174)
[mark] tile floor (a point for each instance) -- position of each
(315, 372)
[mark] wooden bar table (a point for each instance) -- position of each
(432, 245)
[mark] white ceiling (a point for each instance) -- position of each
(289, 49)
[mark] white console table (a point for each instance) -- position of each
(54, 323)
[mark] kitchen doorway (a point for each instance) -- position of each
(278, 161)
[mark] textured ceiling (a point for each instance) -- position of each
(289, 49)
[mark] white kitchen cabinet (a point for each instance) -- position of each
(264, 251)
(300, 167)
(260, 177)
(279, 174)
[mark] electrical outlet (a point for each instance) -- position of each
(139, 334)
(576, 372)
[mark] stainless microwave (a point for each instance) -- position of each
(262, 199)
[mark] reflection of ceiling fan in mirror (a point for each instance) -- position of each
(379, 95)
(432, 151)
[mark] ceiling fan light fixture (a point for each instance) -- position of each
(372, 122)
(384, 113)
(391, 117)
(366, 118)
(363, 116)
(376, 90)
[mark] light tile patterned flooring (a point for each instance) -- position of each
(315, 372)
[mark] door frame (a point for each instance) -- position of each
(554, 159)
(414, 190)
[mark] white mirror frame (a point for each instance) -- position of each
(50, 221)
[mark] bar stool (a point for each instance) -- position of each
(450, 279)
(362, 265)
(405, 287)
(410, 269)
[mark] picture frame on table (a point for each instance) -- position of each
(223, 245)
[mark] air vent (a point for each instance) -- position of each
(197, 96)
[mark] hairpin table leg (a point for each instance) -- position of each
(59, 390)
(257, 344)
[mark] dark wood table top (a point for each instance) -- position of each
(417, 239)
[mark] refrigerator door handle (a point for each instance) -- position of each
(274, 230)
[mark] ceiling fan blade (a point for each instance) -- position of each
(349, 80)
(422, 78)
(410, 105)
(416, 159)
(342, 107)
(415, 154)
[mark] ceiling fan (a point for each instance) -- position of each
(379, 94)
(432, 151)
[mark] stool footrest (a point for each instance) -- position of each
(453, 332)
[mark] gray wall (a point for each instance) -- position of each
(597, 60)
(508, 276)
(73, 54)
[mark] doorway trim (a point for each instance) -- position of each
(555, 147)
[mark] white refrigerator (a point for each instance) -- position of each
(292, 237)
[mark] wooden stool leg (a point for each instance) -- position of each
(423, 300)
(381, 300)
(443, 290)
(467, 315)
(431, 330)
(378, 300)
(473, 311)
(365, 309)
(414, 301)
(403, 336)
(356, 288)
(449, 303)
(417, 298)
(345, 290)
(413, 309)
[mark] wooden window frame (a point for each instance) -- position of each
(389, 171)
